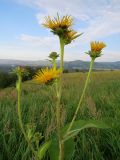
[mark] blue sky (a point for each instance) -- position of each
(23, 37)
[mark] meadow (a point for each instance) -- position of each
(102, 101)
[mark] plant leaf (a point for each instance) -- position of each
(42, 150)
(68, 149)
(54, 149)
(82, 124)
(68, 141)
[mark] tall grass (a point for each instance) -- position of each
(102, 102)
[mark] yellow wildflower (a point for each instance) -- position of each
(56, 23)
(96, 49)
(61, 27)
(46, 75)
(97, 46)
(70, 36)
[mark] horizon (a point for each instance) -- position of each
(59, 60)
(24, 38)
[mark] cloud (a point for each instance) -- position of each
(39, 41)
(96, 19)
(48, 44)
(102, 17)
(40, 45)
(33, 52)
(109, 56)
(104, 26)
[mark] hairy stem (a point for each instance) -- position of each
(20, 116)
(54, 63)
(81, 98)
(61, 155)
(58, 107)
(62, 44)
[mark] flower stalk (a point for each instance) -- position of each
(81, 98)
(53, 56)
(58, 107)
(62, 45)
(54, 64)
(62, 28)
(19, 90)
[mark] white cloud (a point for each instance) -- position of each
(109, 56)
(31, 52)
(74, 51)
(40, 41)
(102, 18)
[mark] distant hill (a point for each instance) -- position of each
(23, 62)
(84, 65)
(6, 65)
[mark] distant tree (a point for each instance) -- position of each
(6, 79)
(9, 79)
(77, 70)
(66, 71)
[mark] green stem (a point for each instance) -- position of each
(58, 107)
(20, 116)
(81, 98)
(62, 44)
(61, 145)
(54, 63)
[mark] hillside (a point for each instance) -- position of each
(6, 65)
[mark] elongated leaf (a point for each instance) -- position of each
(68, 141)
(42, 150)
(54, 149)
(68, 149)
(82, 124)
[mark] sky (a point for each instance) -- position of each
(23, 37)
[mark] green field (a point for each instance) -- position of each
(102, 101)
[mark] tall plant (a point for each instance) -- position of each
(29, 133)
(62, 27)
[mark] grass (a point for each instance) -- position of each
(102, 101)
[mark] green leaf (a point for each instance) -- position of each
(42, 150)
(54, 149)
(68, 141)
(82, 124)
(68, 149)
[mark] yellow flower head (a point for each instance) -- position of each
(96, 49)
(70, 36)
(44, 76)
(97, 46)
(56, 23)
(61, 27)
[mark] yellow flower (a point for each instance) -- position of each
(70, 36)
(61, 27)
(96, 49)
(97, 46)
(56, 23)
(46, 75)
